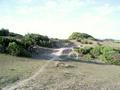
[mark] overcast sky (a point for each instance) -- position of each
(59, 18)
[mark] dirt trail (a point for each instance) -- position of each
(54, 55)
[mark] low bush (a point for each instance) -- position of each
(78, 36)
(87, 57)
(84, 50)
(104, 53)
(13, 49)
(36, 39)
(16, 50)
(96, 51)
(4, 32)
(110, 58)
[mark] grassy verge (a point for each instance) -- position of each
(14, 68)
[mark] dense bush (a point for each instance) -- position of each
(110, 58)
(36, 39)
(84, 50)
(106, 50)
(110, 55)
(6, 40)
(104, 53)
(78, 36)
(96, 51)
(87, 57)
(16, 50)
(19, 45)
(4, 32)
(15, 35)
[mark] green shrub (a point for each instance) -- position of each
(108, 58)
(109, 55)
(4, 32)
(13, 49)
(16, 50)
(87, 57)
(106, 50)
(78, 36)
(96, 51)
(83, 51)
(36, 39)
(15, 35)
(104, 53)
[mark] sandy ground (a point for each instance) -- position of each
(81, 76)
(51, 56)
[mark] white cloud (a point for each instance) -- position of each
(53, 19)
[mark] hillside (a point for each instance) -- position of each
(79, 36)
(82, 76)
(19, 45)
(80, 62)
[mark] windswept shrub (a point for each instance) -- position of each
(15, 35)
(4, 32)
(84, 50)
(106, 50)
(96, 51)
(110, 57)
(87, 57)
(16, 50)
(78, 36)
(5, 41)
(36, 39)
(104, 53)
(13, 49)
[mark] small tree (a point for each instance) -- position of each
(17, 50)
(13, 49)
(4, 32)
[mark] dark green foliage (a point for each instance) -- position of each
(4, 32)
(84, 50)
(13, 46)
(79, 36)
(6, 40)
(16, 50)
(87, 57)
(15, 35)
(106, 54)
(18, 45)
(36, 39)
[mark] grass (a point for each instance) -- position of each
(13, 69)
(83, 76)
